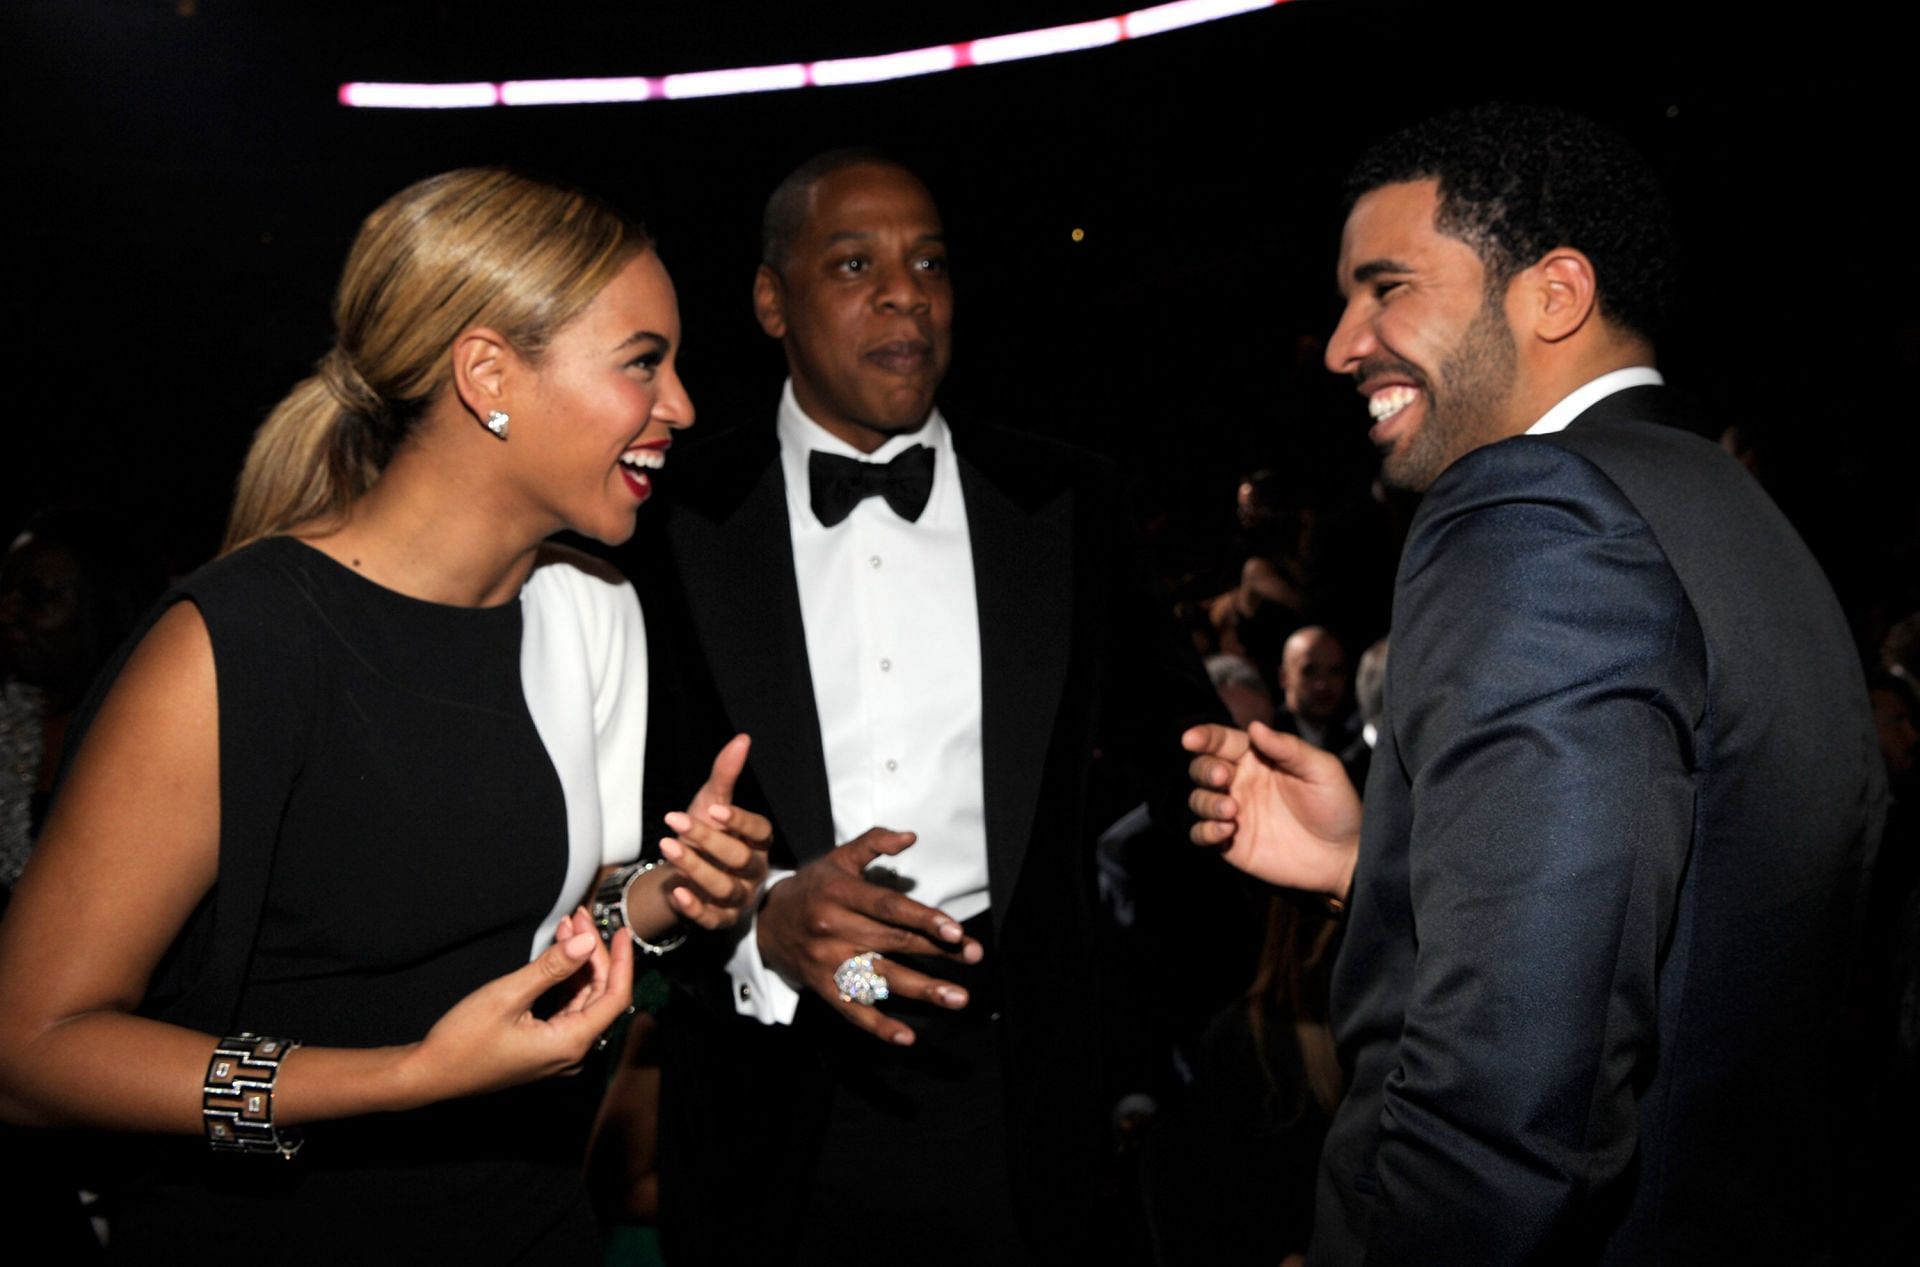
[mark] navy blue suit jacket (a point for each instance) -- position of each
(1616, 837)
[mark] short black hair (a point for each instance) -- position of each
(786, 212)
(1516, 181)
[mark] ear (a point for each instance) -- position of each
(1562, 294)
(769, 302)
(482, 363)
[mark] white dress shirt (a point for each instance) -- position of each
(1591, 393)
(893, 644)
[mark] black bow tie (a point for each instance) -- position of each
(839, 484)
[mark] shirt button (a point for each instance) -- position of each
(874, 562)
(892, 764)
(885, 665)
(746, 992)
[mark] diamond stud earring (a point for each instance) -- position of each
(497, 423)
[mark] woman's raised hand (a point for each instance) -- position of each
(718, 853)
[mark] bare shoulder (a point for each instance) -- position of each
(132, 842)
(171, 672)
(156, 734)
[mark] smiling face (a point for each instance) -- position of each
(1431, 350)
(863, 305)
(598, 414)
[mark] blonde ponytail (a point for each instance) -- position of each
(481, 246)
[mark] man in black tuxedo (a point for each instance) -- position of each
(929, 630)
(1601, 901)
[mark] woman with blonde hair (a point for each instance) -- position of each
(363, 766)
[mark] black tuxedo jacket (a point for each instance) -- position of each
(1616, 833)
(1077, 654)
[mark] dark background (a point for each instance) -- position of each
(182, 187)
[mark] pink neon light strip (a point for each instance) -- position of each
(1156, 20)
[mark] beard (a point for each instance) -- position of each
(1464, 402)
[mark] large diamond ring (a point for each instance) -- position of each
(859, 983)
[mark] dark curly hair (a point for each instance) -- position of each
(1516, 181)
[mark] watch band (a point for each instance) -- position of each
(609, 909)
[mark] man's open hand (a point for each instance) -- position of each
(828, 911)
(1283, 809)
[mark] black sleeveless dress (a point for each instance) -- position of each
(392, 834)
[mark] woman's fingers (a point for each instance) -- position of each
(755, 829)
(710, 883)
(599, 964)
(591, 974)
(700, 893)
(597, 1005)
(709, 913)
(491, 1039)
(690, 906)
(721, 846)
(718, 871)
(727, 765)
(517, 991)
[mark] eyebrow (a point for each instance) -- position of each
(641, 336)
(862, 235)
(1366, 272)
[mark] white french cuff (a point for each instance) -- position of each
(758, 991)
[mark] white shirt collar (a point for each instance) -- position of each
(800, 432)
(1586, 396)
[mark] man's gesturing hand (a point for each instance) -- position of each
(828, 911)
(1283, 808)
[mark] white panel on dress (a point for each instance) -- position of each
(583, 670)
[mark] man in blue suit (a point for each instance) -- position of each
(1602, 895)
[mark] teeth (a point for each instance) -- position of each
(643, 459)
(1389, 401)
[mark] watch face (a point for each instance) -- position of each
(610, 899)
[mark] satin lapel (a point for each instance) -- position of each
(736, 562)
(1023, 580)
